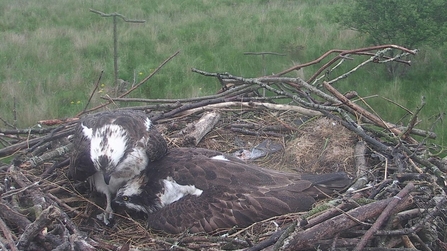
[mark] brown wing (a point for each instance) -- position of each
(219, 209)
(234, 193)
(157, 146)
(193, 166)
(81, 166)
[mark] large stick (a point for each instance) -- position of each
(329, 228)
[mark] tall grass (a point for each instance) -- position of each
(52, 51)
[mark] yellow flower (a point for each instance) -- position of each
(79, 101)
(102, 85)
(140, 73)
(72, 102)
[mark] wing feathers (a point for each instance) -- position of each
(157, 146)
(234, 193)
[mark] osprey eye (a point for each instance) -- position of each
(125, 198)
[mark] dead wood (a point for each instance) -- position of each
(193, 133)
(35, 161)
(229, 92)
(46, 211)
(32, 131)
(52, 122)
(384, 215)
(48, 215)
(341, 54)
(186, 107)
(333, 226)
(30, 143)
(8, 235)
(268, 242)
(12, 217)
(329, 213)
(280, 107)
(362, 168)
(367, 114)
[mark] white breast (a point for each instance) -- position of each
(173, 191)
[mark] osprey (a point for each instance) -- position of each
(203, 190)
(111, 148)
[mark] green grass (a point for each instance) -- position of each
(53, 51)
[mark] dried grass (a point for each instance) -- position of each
(322, 145)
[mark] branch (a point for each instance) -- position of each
(384, 215)
(136, 86)
(11, 216)
(8, 235)
(33, 142)
(378, 121)
(362, 168)
(329, 228)
(43, 220)
(37, 160)
(91, 95)
(230, 92)
(270, 106)
(342, 54)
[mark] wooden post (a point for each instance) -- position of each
(115, 36)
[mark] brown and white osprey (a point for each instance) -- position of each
(111, 148)
(202, 190)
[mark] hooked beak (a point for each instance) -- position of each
(107, 178)
(103, 165)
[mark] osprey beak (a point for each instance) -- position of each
(106, 178)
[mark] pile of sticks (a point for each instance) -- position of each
(397, 201)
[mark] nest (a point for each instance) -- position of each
(396, 201)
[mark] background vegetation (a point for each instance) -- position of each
(52, 53)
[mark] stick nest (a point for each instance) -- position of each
(397, 200)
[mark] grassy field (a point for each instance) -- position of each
(52, 53)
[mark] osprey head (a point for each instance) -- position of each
(134, 196)
(108, 145)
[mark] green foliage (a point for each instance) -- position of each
(53, 51)
(408, 23)
(404, 22)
